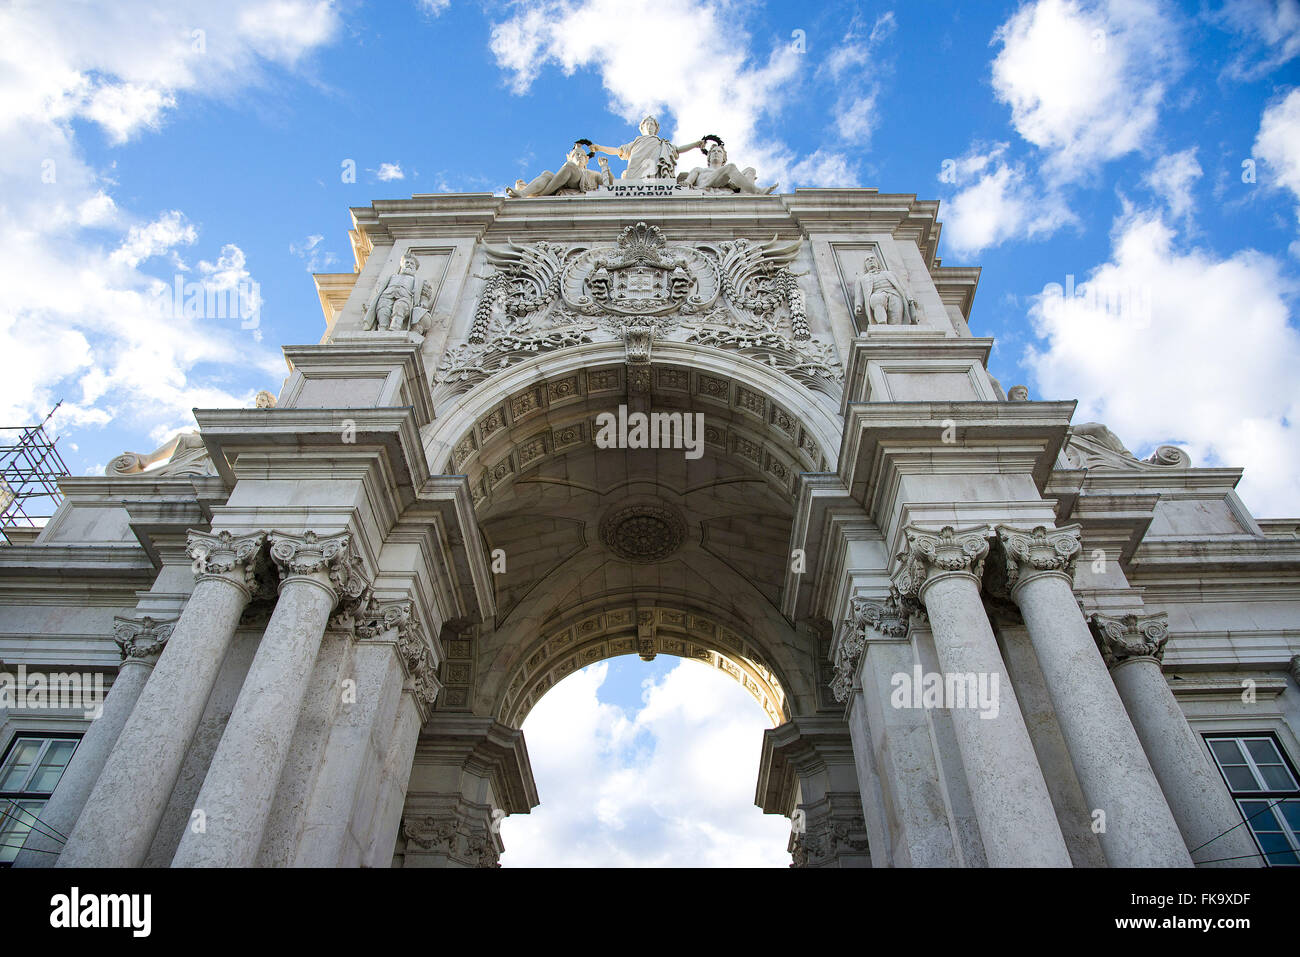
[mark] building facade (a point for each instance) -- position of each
(648, 416)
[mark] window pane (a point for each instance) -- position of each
(1291, 811)
(1240, 778)
(19, 763)
(1263, 750)
(1226, 750)
(15, 822)
(1276, 777)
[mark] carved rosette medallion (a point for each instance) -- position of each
(141, 638)
(643, 533)
(929, 553)
(1130, 636)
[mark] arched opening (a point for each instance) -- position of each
(648, 764)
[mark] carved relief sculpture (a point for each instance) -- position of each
(404, 302)
(881, 297)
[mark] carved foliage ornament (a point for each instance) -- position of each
(1130, 636)
(947, 550)
(141, 637)
(331, 556)
(374, 620)
(886, 617)
(450, 837)
(1039, 550)
(226, 555)
(544, 296)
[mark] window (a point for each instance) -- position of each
(1264, 786)
(30, 770)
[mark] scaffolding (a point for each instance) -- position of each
(30, 469)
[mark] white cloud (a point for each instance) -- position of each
(81, 274)
(1278, 142)
(310, 252)
(433, 8)
(390, 171)
(1085, 82)
(669, 785)
(1172, 179)
(1201, 353)
(998, 204)
(687, 57)
(1271, 29)
(856, 68)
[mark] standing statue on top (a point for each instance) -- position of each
(649, 156)
(720, 174)
(881, 297)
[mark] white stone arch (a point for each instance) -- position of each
(798, 425)
(589, 634)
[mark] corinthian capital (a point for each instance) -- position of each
(141, 637)
(230, 557)
(868, 618)
(949, 549)
(329, 559)
(1039, 549)
(376, 620)
(1130, 636)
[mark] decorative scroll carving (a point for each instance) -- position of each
(1038, 550)
(451, 837)
(887, 617)
(947, 550)
(1130, 636)
(184, 454)
(141, 637)
(227, 556)
(376, 619)
(331, 556)
(1091, 445)
(823, 839)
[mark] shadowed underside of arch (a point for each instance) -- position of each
(583, 640)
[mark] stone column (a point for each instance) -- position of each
(118, 822)
(352, 782)
(141, 642)
(875, 635)
(1114, 774)
(237, 794)
(1133, 647)
(1017, 821)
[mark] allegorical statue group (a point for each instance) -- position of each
(649, 157)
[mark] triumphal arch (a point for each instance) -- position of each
(680, 413)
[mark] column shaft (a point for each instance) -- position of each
(60, 813)
(1208, 818)
(122, 813)
(1011, 799)
(239, 789)
(1113, 770)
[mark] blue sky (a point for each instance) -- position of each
(1150, 149)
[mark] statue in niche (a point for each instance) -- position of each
(404, 302)
(881, 297)
(572, 177)
(719, 174)
(649, 156)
